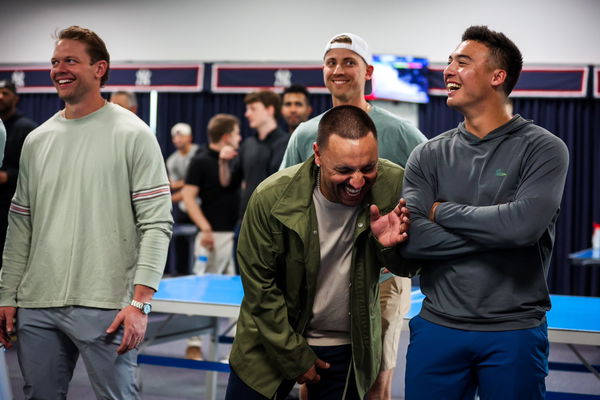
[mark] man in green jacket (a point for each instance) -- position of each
(310, 252)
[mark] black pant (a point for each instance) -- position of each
(331, 386)
(237, 389)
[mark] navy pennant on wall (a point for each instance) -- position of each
(133, 77)
(545, 81)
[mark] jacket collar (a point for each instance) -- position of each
(293, 206)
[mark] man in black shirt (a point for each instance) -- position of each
(217, 215)
(260, 154)
(17, 128)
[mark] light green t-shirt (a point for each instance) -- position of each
(396, 138)
(91, 214)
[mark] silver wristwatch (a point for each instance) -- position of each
(143, 307)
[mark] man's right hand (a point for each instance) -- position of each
(207, 240)
(311, 376)
(7, 316)
(227, 153)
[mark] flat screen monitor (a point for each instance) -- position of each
(399, 78)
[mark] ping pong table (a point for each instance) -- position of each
(585, 257)
(572, 319)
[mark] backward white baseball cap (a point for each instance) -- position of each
(357, 45)
(181, 128)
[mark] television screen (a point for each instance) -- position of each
(399, 78)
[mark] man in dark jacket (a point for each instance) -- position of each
(310, 255)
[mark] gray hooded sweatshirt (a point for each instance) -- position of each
(484, 261)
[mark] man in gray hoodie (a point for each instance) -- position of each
(484, 198)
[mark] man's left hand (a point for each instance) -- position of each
(135, 323)
(392, 228)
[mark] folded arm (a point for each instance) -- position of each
(523, 220)
(428, 239)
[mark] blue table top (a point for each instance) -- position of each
(568, 312)
(585, 257)
(212, 289)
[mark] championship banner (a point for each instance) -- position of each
(245, 78)
(567, 81)
(132, 77)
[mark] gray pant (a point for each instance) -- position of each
(50, 341)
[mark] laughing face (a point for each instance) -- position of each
(469, 75)
(348, 168)
(73, 73)
(345, 74)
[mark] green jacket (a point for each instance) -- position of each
(279, 258)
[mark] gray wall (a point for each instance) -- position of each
(547, 31)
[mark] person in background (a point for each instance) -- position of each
(217, 215)
(89, 228)
(177, 165)
(295, 106)
(484, 199)
(179, 160)
(125, 99)
(346, 70)
(17, 127)
(260, 154)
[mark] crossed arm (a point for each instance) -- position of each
(446, 228)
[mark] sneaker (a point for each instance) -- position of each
(194, 353)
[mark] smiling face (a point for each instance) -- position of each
(469, 76)
(348, 168)
(345, 74)
(74, 75)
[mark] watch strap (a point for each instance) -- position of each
(143, 307)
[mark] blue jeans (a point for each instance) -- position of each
(454, 364)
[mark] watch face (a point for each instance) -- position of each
(146, 308)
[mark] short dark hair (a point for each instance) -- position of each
(8, 84)
(504, 52)
(221, 124)
(95, 46)
(297, 89)
(267, 98)
(349, 122)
